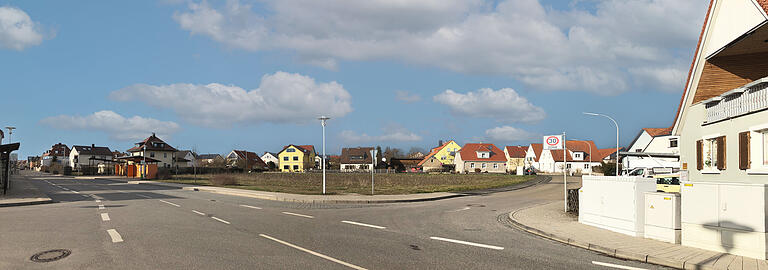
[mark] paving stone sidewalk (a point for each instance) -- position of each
(22, 192)
(549, 221)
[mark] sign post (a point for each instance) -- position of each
(557, 142)
(373, 166)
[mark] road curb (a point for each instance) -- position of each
(31, 202)
(616, 253)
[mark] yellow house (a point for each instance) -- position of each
(297, 158)
(445, 154)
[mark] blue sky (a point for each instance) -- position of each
(253, 74)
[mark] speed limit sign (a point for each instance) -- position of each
(553, 142)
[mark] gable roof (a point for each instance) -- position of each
(253, 158)
(469, 152)
(92, 150)
(152, 143)
(273, 154)
(434, 152)
(588, 147)
(655, 132)
(306, 149)
(516, 151)
(357, 155)
(537, 148)
(208, 156)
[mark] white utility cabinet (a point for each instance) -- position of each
(662, 216)
(614, 203)
(725, 217)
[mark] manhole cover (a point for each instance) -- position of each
(51, 255)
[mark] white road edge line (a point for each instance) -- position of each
(145, 196)
(616, 266)
(116, 238)
(98, 200)
(363, 224)
(298, 215)
(313, 253)
(198, 212)
(458, 210)
(101, 207)
(105, 217)
(254, 207)
(224, 221)
(75, 191)
(170, 203)
(466, 243)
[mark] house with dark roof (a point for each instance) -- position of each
(185, 159)
(153, 149)
(59, 154)
(89, 156)
(245, 160)
(480, 157)
(722, 122)
(297, 158)
(652, 148)
(206, 160)
(357, 159)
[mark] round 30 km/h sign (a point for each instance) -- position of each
(553, 141)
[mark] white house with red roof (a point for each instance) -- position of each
(722, 123)
(480, 157)
(581, 157)
(652, 148)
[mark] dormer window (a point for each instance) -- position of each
(483, 154)
(290, 150)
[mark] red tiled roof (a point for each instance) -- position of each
(557, 155)
(537, 148)
(310, 148)
(588, 147)
(516, 151)
(433, 152)
(469, 152)
(658, 131)
(253, 158)
(306, 149)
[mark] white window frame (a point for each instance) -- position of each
(709, 152)
(758, 149)
(483, 165)
(495, 165)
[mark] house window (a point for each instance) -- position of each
(710, 154)
(296, 158)
(483, 165)
(295, 167)
(577, 155)
(495, 165)
(286, 167)
(165, 155)
(285, 158)
(443, 157)
(710, 157)
(673, 142)
(472, 165)
(290, 150)
(151, 154)
(568, 166)
(586, 166)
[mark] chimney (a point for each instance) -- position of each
(153, 134)
(440, 143)
(93, 146)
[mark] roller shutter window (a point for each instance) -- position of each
(721, 153)
(744, 161)
(699, 155)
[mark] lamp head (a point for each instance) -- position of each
(589, 113)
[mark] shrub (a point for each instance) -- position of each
(223, 180)
(163, 173)
(477, 170)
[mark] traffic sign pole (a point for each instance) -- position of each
(565, 179)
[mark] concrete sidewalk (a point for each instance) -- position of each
(22, 192)
(549, 221)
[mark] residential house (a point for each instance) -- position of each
(441, 157)
(480, 157)
(33, 162)
(405, 164)
(722, 124)
(297, 158)
(356, 159)
(154, 150)
(268, 157)
(59, 153)
(652, 148)
(207, 160)
(515, 156)
(185, 159)
(89, 156)
(245, 160)
(580, 157)
(533, 156)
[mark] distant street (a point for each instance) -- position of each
(114, 225)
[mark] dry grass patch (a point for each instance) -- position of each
(360, 183)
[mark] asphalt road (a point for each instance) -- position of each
(111, 225)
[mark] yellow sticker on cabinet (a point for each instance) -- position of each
(652, 206)
(667, 198)
(688, 185)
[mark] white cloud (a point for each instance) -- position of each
(281, 97)
(504, 105)
(349, 136)
(115, 125)
(17, 30)
(509, 134)
(407, 97)
(543, 47)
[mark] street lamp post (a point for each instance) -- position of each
(10, 133)
(322, 122)
(617, 137)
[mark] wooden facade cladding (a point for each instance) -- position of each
(725, 73)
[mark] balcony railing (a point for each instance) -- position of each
(751, 97)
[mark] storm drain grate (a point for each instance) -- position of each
(50, 255)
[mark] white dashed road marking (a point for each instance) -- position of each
(98, 200)
(198, 212)
(105, 217)
(298, 215)
(363, 224)
(313, 253)
(252, 207)
(224, 221)
(116, 238)
(466, 243)
(616, 266)
(170, 203)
